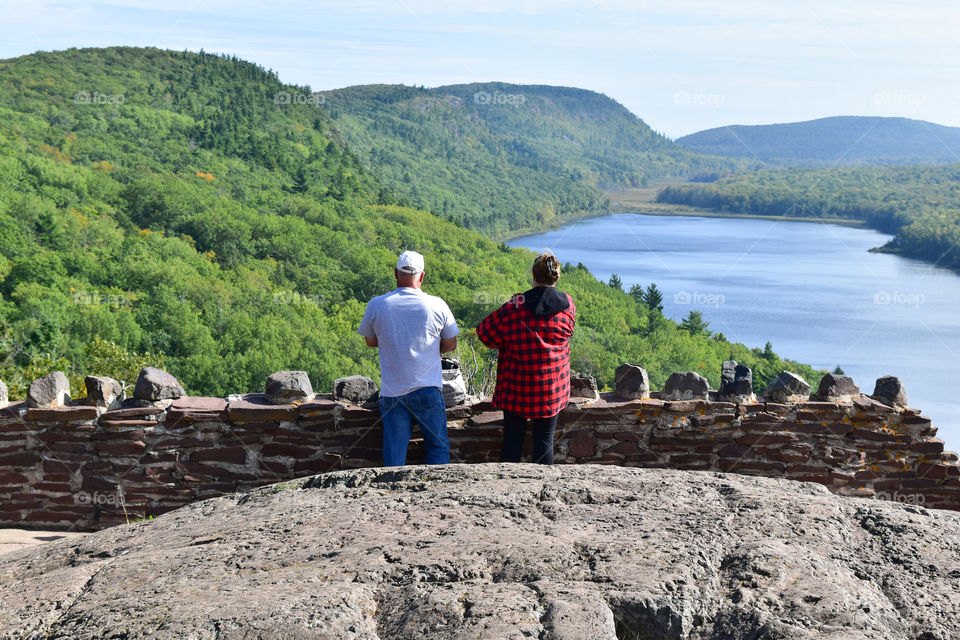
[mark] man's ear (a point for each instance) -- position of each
(422, 274)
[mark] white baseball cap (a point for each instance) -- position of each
(410, 262)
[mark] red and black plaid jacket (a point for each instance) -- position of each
(533, 364)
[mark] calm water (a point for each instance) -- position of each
(813, 290)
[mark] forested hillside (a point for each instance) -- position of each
(833, 142)
(192, 211)
(920, 205)
(500, 157)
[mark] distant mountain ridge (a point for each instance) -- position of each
(835, 141)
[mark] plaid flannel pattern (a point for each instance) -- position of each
(533, 364)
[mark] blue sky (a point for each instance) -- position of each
(680, 65)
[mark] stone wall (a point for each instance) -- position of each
(91, 464)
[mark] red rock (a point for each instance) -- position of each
(582, 447)
(273, 449)
(233, 455)
(61, 414)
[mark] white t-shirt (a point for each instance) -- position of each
(408, 325)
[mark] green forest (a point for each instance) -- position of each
(176, 209)
(918, 205)
(499, 157)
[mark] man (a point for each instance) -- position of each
(411, 329)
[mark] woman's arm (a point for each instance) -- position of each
(490, 330)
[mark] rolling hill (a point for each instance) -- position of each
(502, 157)
(837, 141)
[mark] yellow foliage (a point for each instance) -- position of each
(82, 219)
(54, 153)
(206, 176)
(104, 165)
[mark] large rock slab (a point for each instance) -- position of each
(890, 391)
(286, 387)
(103, 391)
(736, 382)
(502, 552)
(686, 385)
(631, 382)
(583, 386)
(787, 388)
(156, 384)
(835, 387)
(355, 389)
(52, 390)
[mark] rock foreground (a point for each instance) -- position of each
(502, 551)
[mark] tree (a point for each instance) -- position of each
(768, 353)
(653, 298)
(615, 282)
(694, 324)
(636, 292)
(838, 371)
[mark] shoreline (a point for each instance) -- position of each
(669, 210)
(642, 201)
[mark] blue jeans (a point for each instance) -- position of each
(425, 407)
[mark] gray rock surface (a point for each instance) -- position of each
(736, 382)
(4, 397)
(155, 384)
(834, 387)
(890, 391)
(103, 391)
(686, 385)
(583, 386)
(286, 387)
(787, 387)
(52, 390)
(631, 382)
(355, 389)
(583, 552)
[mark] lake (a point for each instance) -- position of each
(813, 290)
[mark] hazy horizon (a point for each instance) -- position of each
(680, 66)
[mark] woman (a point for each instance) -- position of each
(532, 333)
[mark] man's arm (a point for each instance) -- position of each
(446, 344)
(371, 342)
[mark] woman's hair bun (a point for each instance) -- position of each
(546, 268)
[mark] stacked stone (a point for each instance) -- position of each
(62, 461)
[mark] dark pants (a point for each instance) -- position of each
(514, 431)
